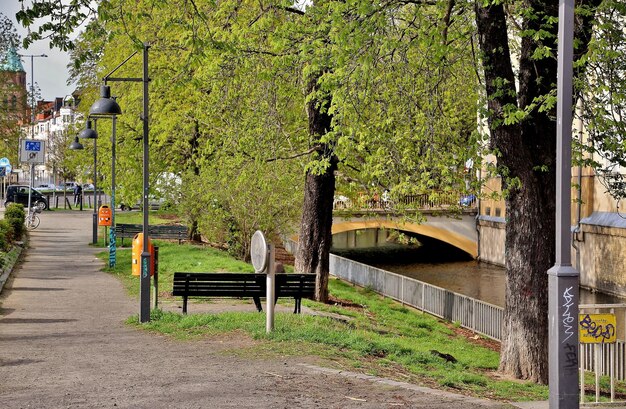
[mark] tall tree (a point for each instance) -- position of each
(523, 135)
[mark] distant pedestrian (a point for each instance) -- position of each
(78, 193)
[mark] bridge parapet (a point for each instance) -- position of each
(419, 202)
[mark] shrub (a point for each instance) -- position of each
(15, 216)
(6, 235)
(15, 211)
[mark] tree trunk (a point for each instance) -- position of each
(527, 151)
(317, 214)
(194, 233)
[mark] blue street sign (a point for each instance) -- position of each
(4, 162)
(32, 146)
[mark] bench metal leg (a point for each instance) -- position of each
(184, 305)
(257, 302)
(298, 305)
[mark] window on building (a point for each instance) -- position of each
(13, 102)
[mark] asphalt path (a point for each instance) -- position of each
(64, 344)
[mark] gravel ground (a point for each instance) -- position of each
(64, 344)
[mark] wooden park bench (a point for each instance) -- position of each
(155, 231)
(242, 285)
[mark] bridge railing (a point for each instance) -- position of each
(436, 200)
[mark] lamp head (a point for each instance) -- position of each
(88, 133)
(105, 105)
(76, 145)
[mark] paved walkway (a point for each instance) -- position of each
(64, 344)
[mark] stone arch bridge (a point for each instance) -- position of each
(456, 229)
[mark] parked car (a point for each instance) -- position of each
(467, 201)
(87, 187)
(45, 186)
(68, 186)
(19, 194)
(153, 203)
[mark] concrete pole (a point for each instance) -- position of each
(112, 233)
(144, 290)
(563, 278)
(270, 291)
(95, 186)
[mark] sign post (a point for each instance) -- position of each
(32, 152)
(598, 329)
(262, 256)
(5, 170)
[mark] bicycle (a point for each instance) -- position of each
(32, 220)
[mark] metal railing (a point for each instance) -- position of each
(424, 201)
(479, 316)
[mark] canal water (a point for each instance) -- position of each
(435, 263)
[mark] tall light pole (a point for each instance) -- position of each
(106, 106)
(89, 133)
(563, 278)
(32, 116)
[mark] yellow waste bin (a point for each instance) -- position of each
(137, 249)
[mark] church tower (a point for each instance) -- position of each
(13, 87)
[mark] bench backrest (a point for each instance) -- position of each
(236, 284)
(162, 231)
(291, 285)
(218, 284)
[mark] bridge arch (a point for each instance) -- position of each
(447, 236)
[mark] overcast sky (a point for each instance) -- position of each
(50, 73)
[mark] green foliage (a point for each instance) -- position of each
(15, 216)
(227, 103)
(7, 235)
(603, 96)
(15, 211)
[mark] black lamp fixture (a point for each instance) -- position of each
(88, 132)
(76, 145)
(105, 105)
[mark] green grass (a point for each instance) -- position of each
(154, 217)
(174, 257)
(378, 336)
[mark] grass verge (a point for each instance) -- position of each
(375, 335)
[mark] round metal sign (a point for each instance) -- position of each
(258, 251)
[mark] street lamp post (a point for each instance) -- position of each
(32, 115)
(89, 133)
(563, 278)
(106, 106)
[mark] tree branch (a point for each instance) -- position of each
(298, 155)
